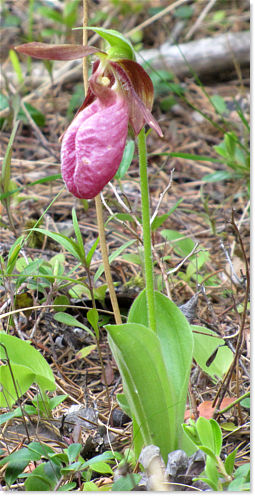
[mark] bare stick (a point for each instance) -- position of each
(107, 270)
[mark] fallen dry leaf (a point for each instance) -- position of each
(206, 410)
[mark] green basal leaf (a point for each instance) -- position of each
(17, 462)
(184, 12)
(79, 290)
(34, 113)
(121, 216)
(149, 391)
(230, 142)
(246, 403)
(100, 291)
(228, 426)
(241, 480)
(61, 300)
(6, 166)
(106, 456)
(196, 263)
(72, 468)
(120, 47)
(16, 66)
(37, 449)
(133, 258)
(52, 14)
(176, 342)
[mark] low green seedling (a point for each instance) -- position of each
(236, 156)
(56, 470)
(207, 436)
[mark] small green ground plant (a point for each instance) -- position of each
(219, 475)
(56, 471)
(22, 366)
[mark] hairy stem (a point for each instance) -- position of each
(84, 42)
(148, 264)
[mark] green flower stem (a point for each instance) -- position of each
(148, 265)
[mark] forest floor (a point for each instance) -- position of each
(213, 216)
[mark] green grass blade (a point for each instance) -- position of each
(78, 234)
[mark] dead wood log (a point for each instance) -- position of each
(205, 57)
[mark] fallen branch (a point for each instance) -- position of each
(204, 57)
(207, 56)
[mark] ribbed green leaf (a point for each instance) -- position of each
(175, 336)
(149, 392)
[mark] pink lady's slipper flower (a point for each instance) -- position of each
(120, 94)
(93, 145)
